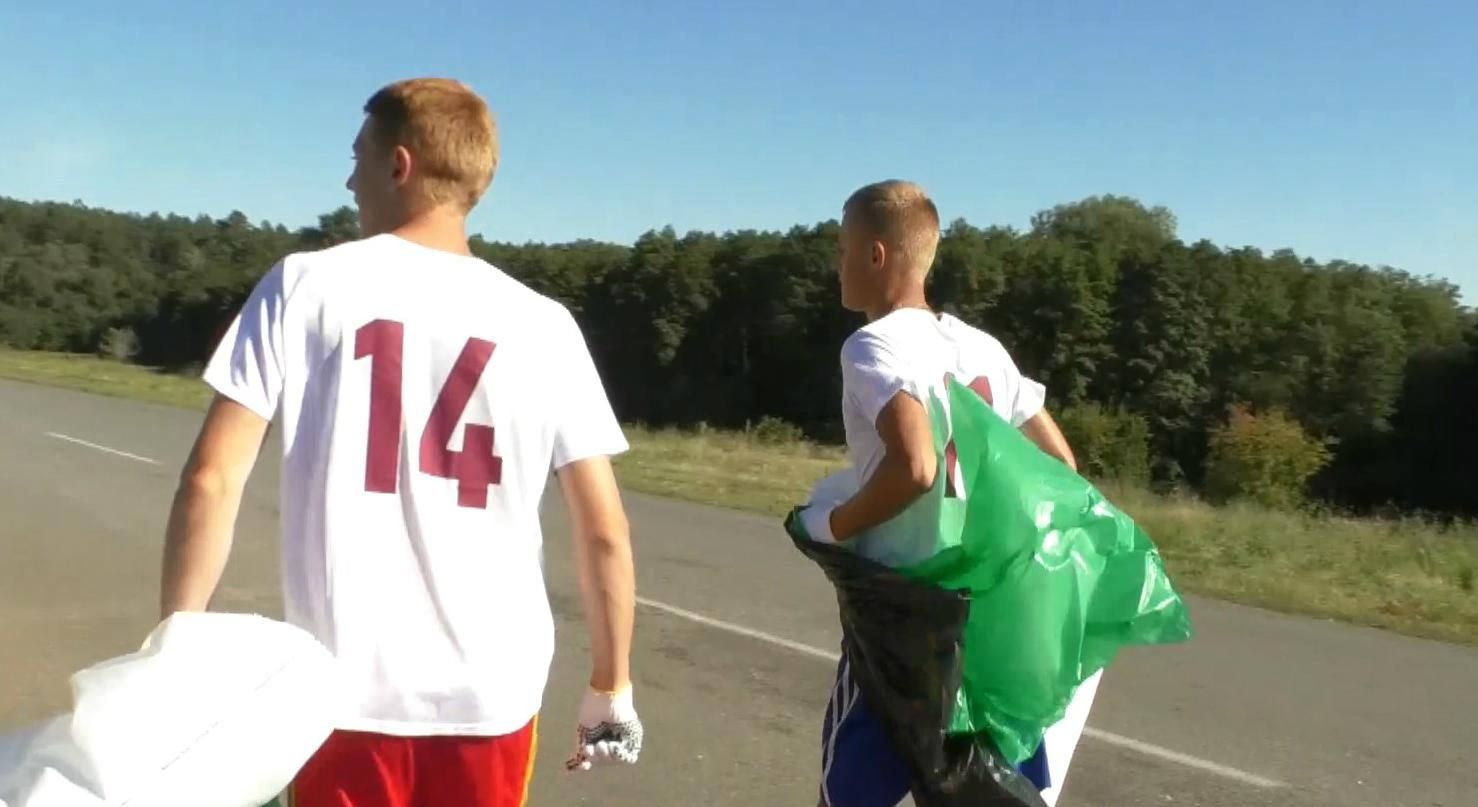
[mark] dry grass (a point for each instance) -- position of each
(725, 468)
(104, 377)
(1410, 576)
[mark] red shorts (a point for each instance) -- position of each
(355, 769)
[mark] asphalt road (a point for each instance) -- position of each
(1259, 709)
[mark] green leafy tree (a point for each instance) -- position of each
(1267, 458)
(1112, 445)
(1133, 331)
(1160, 365)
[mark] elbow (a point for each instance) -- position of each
(1065, 454)
(613, 537)
(603, 556)
(910, 470)
(921, 473)
(206, 482)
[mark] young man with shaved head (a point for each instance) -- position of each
(425, 398)
(891, 367)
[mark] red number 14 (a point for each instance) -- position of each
(475, 467)
(981, 386)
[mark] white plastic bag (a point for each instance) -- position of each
(1062, 737)
(216, 710)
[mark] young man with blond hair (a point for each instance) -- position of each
(891, 368)
(425, 398)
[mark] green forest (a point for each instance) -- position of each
(1232, 371)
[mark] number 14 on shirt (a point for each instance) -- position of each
(475, 467)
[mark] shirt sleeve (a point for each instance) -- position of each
(872, 374)
(247, 366)
(585, 426)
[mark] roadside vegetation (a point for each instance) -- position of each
(1261, 544)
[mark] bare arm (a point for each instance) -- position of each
(202, 520)
(607, 573)
(905, 473)
(1042, 430)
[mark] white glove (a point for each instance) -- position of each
(816, 519)
(609, 731)
(829, 493)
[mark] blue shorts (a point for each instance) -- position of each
(859, 767)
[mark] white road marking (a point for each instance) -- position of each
(1148, 749)
(1108, 737)
(1183, 759)
(104, 449)
(788, 644)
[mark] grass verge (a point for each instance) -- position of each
(1409, 576)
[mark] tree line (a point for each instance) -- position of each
(1150, 347)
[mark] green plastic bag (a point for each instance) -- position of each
(1059, 579)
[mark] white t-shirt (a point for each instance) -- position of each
(425, 398)
(913, 351)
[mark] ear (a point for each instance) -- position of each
(403, 163)
(879, 254)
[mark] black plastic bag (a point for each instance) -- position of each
(903, 640)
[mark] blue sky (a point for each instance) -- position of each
(1339, 129)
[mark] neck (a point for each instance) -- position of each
(912, 299)
(439, 229)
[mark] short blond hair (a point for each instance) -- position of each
(901, 215)
(447, 128)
